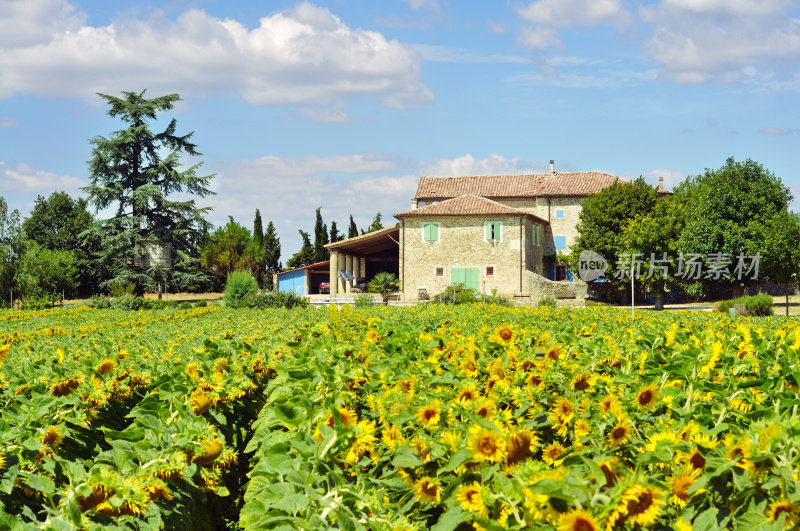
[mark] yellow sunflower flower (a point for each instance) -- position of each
(470, 498)
(778, 508)
(520, 446)
(551, 452)
(487, 445)
(620, 433)
(642, 505)
(578, 520)
(487, 409)
(503, 335)
(647, 398)
(468, 394)
(428, 490)
(106, 367)
(680, 485)
(429, 415)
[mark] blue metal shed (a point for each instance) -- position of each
(293, 281)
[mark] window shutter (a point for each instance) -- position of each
(431, 232)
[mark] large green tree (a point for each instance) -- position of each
(335, 236)
(231, 248)
(605, 214)
(46, 274)
(10, 250)
(320, 239)
(58, 223)
(352, 228)
(272, 253)
(305, 256)
(135, 174)
(260, 271)
(729, 213)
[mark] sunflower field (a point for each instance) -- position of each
(427, 417)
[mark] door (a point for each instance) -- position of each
(469, 276)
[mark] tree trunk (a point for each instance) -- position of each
(659, 300)
(160, 289)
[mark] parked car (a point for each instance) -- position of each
(325, 287)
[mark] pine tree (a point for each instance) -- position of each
(133, 173)
(352, 231)
(305, 256)
(272, 253)
(320, 239)
(335, 236)
(258, 242)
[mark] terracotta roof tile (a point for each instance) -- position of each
(508, 186)
(465, 205)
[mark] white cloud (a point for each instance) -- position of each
(604, 79)
(539, 38)
(8, 122)
(25, 179)
(417, 5)
(498, 28)
(32, 22)
(671, 177)
(304, 56)
(448, 54)
(776, 131)
(491, 165)
(568, 13)
(336, 113)
(701, 41)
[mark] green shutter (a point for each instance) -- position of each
(431, 232)
(469, 276)
(492, 230)
(458, 276)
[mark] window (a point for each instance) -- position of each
(559, 214)
(439, 271)
(561, 242)
(430, 232)
(493, 231)
(489, 271)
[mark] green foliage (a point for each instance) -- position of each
(352, 229)
(134, 174)
(778, 241)
(237, 287)
(117, 289)
(376, 224)
(320, 239)
(127, 301)
(730, 210)
(335, 236)
(46, 274)
(605, 215)
(272, 254)
(185, 305)
(756, 305)
(36, 303)
(99, 302)
(155, 304)
(230, 248)
(363, 300)
(303, 257)
(549, 302)
(280, 299)
(456, 294)
(201, 303)
(385, 284)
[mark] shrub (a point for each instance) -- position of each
(201, 304)
(549, 302)
(363, 300)
(458, 294)
(98, 301)
(185, 305)
(127, 302)
(760, 304)
(280, 299)
(118, 289)
(36, 303)
(385, 284)
(238, 286)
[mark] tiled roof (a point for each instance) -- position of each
(465, 205)
(365, 237)
(507, 186)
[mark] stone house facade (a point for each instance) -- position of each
(445, 237)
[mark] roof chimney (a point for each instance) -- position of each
(414, 203)
(660, 183)
(552, 166)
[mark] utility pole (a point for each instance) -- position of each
(633, 294)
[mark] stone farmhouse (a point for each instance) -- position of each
(494, 233)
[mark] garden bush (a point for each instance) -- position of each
(99, 301)
(363, 300)
(756, 305)
(238, 286)
(280, 299)
(127, 302)
(549, 302)
(201, 303)
(458, 294)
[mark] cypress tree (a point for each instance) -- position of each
(320, 239)
(352, 231)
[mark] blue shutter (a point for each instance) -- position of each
(561, 242)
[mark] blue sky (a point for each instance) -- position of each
(344, 104)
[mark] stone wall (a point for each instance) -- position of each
(536, 287)
(462, 244)
(547, 208)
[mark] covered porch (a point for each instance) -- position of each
(362, 257)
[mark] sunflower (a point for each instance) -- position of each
(562, 412)
(738, 451)
(347, 416)
(422, 449)
(468, 394)
(487, 409)
(467, 367)
(609, 469)
(428, 490)
(392, 437)
(487, 445)
(578, 520)
(503, 335)
(610, 404)
(470, 498)
(106, 367)
(620, 433)
(647, 398)
(680, 485)
(642, 505)
(211, 450)
(200, 402)
(694, 459)
(52, 437)
(582, 381)
(429, 415)
(535, 380)
(780, 507)
(551, 453)
(520, 446)
(2, 461)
